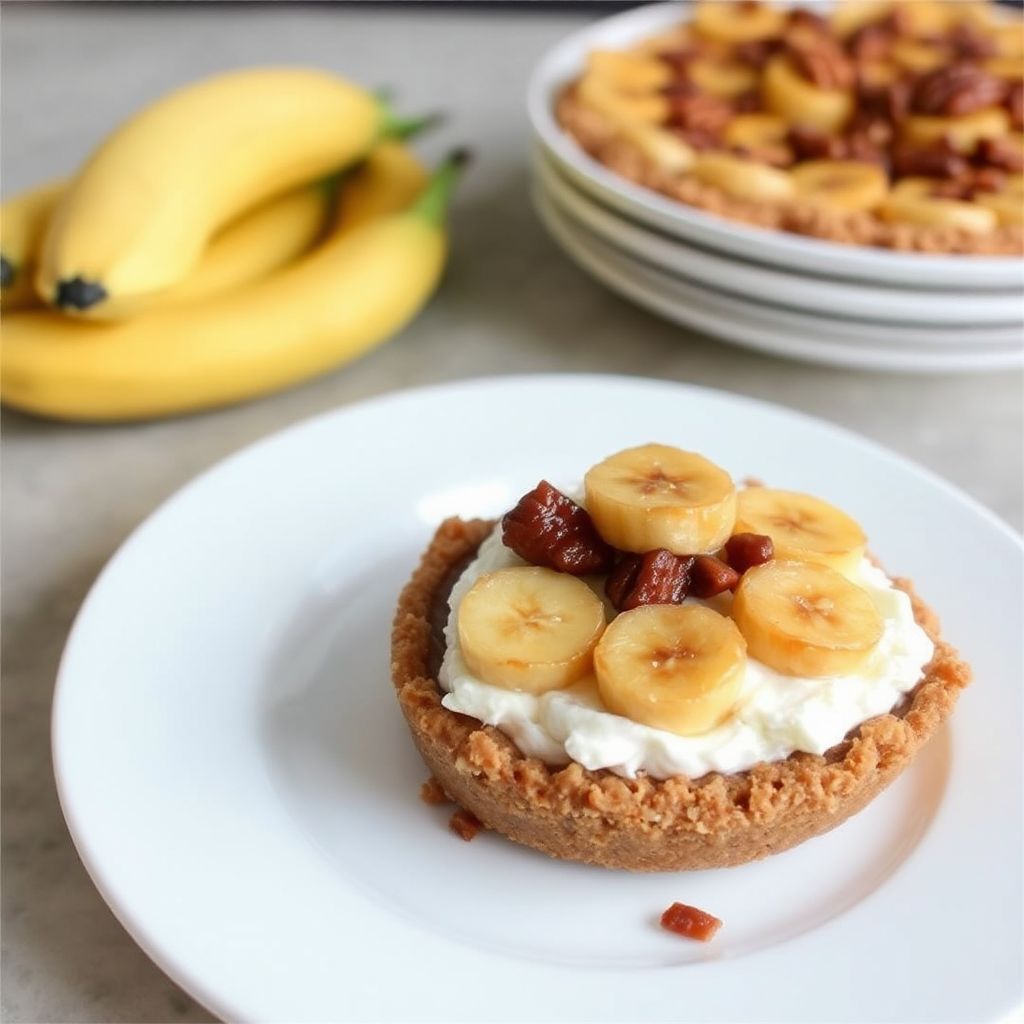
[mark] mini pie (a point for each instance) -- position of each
(893, 124)
(642, 822)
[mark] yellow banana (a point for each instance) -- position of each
(389, 179)
(22, 223)
(143, 208)
(256, 244)
(354, 291)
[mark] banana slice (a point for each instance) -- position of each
(786, 93)
(600, 95)
(1008, 207)
(760, 133)
(1010, 68)
(802, 527)
(850, 15)
(629, 72)
(911, 202)
(928, 18)
(736, 22)
(746, 179)
(803, 619)
(724, 79)
(656, 496)
(843, 184)
(963, 132)
(529, 628)
(664, 149)
(673, 667)
(918, 56)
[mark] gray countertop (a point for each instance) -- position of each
(511, 303)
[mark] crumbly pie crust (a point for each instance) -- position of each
(644, 824)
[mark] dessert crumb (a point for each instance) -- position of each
(465, 824)
(683, 919)
(432, 792)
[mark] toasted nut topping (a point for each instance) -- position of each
(549, 529)
(710, 576)
(657, 577)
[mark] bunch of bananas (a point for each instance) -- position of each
(240, 235)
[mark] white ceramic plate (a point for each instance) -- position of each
(565, 61)
(895, 347)
(800, 292)
(242, 788)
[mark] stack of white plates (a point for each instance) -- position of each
(792, 296)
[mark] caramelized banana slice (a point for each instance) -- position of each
(963, 132)
(804, 619)
(737, 22)
(743, 178)
(912, 201)
(801, 527)
(842, 184)
(600, 95)
(673, 667)
(788, 94)
(529, 628)
(629, 72)
(656, 496)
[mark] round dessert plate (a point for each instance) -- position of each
(804, 336)
(800, 292)
(242, 788)
(565, 61)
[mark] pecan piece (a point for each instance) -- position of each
(745, 550)
(957, 89)
(814, 144)
(710, 576)
(971, 44)
(1000, 153)
(820, 59)
(699, 112)
(690, 921)
(890, 102)
(548, 528)
(1015, 105)
(870, 42)
(936, 161)
(656, 577)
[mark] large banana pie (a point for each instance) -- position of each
(660, 671)
(891, 123)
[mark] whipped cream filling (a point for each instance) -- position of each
(775, 715)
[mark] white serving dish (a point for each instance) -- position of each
(777, 249)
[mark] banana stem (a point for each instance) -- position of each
(432, 205)
(395, 126)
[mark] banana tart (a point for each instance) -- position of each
(892, 124)
(661, 671)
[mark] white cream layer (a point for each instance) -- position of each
(776, 714)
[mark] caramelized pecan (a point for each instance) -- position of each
(682, 919)
(813, 144)
(870, 42)
(969, 43)
(710, 576)
(700, 113)
(1015, 105)
(939, 160)
(890, 102)
(745, 550)
(1000, 153)
(819, 58)
(756, 52)
(548, 528)
(656, 577)
(957, 89)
